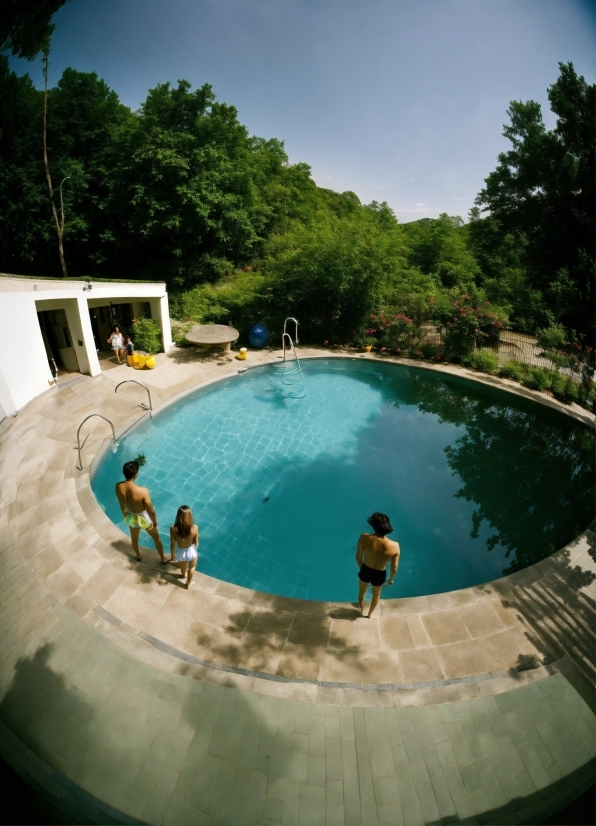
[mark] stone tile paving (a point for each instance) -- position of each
(164, 748)
(116, 730)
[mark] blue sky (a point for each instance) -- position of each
(397, 100)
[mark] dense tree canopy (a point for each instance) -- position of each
(179, 190)
(26, 25)
(543, 194)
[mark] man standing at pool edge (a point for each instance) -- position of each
(373, 553)
(137, 509)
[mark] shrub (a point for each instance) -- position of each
(179, 331)
(147, 335)
(558, 384)
(513, 370)
(538, 378)
(485, 360)
(430, 350)
(571, 390)
(468, 321)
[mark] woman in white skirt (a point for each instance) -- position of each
(184, 540)
(116, 342)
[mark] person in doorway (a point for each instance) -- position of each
(116, 342)
(137, 509)
(184, 540)
(373, 553)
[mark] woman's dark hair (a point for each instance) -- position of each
(184, 521)
(380, 523)
(129, 469)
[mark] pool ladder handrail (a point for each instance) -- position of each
(293, 350)
(148, 407)
(80, 446)
(295, 320)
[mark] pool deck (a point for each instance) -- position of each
(126, 698)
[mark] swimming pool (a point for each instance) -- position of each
(477, 482)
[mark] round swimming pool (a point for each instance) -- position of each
(477, 482)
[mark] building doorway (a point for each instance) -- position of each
(62, 357)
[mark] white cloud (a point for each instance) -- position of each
(418, 203)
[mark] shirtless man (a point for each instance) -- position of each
(373, 554)
(137, 509)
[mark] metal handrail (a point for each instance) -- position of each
(295, 320)
(143, 405)
(283, 341)
(80, 446)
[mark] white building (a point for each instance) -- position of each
(50, 326)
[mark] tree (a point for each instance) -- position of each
(438, 247)
(58, 222)
(26, 27)
(330, 274)
(543, 192)
(186, 186)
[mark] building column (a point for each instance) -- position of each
(87, 353)
(7, 405)
(160, 311)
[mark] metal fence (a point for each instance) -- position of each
(512, 346)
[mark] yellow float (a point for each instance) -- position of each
(150, 362)
(242, 354)
(140, 361)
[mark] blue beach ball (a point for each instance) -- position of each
(258, 336)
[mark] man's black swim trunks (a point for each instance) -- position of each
(373, 576)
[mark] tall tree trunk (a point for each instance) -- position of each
(59, 222)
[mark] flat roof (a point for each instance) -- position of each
(26, 283)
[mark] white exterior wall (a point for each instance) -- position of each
(160, 310)
(24, 368)
(7, 405)
(23, 359)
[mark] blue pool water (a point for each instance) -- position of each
(477, 482)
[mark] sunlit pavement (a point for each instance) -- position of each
(126, 698)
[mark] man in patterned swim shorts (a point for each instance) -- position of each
(137, 509)
(373, 554)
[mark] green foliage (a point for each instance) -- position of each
(180, 190)
(513, 370)
(147, 335)
(26, 27)
(468, 321)
(330, 275)
(563, 349)
(439, 248)
(543, 193)
(564, 387)
(487, 361)
(240, 299)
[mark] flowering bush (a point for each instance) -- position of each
(562, 348)
(469, 321)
